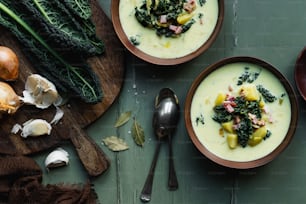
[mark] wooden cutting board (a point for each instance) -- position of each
(110, 69)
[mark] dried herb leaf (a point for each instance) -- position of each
(123, 118)
(138, 133)
(115, 144)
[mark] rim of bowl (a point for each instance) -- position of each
(248, 164)
(163, 61)
(299, 75)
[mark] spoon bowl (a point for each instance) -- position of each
(300, 73)
(166, 113)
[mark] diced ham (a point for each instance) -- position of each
(230, 97)
(179, 30)
(230, 88)
(229, 108)
(232, 103)
(176, 29)
(189, 6)
(163, 19)
(173, 27)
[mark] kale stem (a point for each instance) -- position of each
(42, 11)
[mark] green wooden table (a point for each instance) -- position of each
(273, 30)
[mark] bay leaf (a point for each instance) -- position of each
(123, 118)
(137, 133)
(115, 143)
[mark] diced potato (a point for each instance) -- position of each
(250, 92)
(184, 18)
(254, 141)
(232, 140)
(258, 136)
(220, 99)
(260, 132)
(261, 104)
(148, 3)
(228, 126)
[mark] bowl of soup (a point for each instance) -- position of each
(241, 112)
(165, 32)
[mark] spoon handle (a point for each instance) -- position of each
(145, 195)
(172, 180)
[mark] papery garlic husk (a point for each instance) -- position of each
(40, 92)
(9, 100)
(58, 157)
(33, 127)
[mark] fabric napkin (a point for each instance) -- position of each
(20, 182)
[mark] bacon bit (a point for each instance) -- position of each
(163, 19)
(189, 6)
(172, 27)
(201, 21)
(261, 123)
(230, 88)
(176, 29)
(255, 121)
(229, 108)
(179, 30)
(237, 119)
(230, 97)
(232, 103)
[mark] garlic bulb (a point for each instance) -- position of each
(56, 158)
(9, 100)
(36, 127)
(40, 92)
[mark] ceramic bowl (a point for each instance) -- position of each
(300, 73)
(210, 138)
(163, 45)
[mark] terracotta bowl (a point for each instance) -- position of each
(213, 148)
(300, 73)
(163, 61)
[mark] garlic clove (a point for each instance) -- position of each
(36, 127)
(40, 92)
(58, 157)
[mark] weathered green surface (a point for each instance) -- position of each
(273, 30)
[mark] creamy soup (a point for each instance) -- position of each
(209, 133)
(168, 47)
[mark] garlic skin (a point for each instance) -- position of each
(40, 92)
(58, 157)
(9, 100)
(34, 128)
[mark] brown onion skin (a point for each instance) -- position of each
(9, 64)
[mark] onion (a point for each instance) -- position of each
(9, 64)
(9, 100)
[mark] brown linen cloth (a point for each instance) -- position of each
(20, 182)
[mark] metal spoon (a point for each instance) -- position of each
(165, 118)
